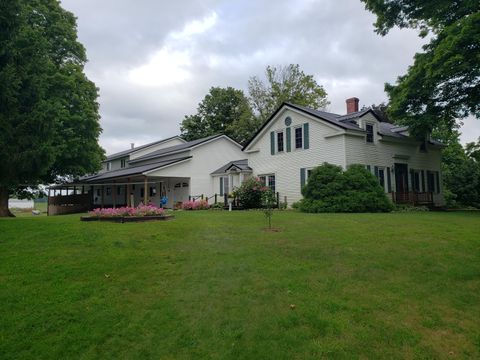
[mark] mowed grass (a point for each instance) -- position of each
(214, 285)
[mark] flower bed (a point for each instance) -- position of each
(127, 214)
(195, 205)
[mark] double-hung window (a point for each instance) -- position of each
(369, 130)
(298, 138)
(268, 180)
(381, 177)
(280, 142)
(224, 185)
(109, 166)
(122, 163)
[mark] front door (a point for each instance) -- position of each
(401, 178)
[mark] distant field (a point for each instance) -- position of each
(27, 211)
(214, 285)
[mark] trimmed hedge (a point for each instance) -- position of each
(330, 189)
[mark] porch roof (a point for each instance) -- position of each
(132, 170)
(242, 165)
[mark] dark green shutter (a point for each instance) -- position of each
(306, 136)
(369, 168)
(375, 169)
(389, 180)
(423, 181)
(221, 186)
(289, 135)
(437, 176)
(272, 142)
(302, 178)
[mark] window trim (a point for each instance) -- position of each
(123, 163)
(367, 133)
(267, 180)
(384, 170)
(109, 165)
(277, 133)
(299, 127)
(225, 180)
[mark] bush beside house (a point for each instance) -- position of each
(330, 189)
(250, 193)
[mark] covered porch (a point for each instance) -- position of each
(415, 186)
(159, 191)
(129, 186)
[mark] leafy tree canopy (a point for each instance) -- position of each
(49, 121)
(460, 169)
(222, 111)
(443, 84)
(472, 149)
(284, 84)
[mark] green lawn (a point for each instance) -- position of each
(213, 285)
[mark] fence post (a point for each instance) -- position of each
(215, 198)
(225, 199)
(278, 200)
(202, 196)
(189, 197)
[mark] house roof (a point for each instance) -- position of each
(240, 164)
(176, 148)
(132, 170)
(129, 151)
(331, 118)
(346, 122)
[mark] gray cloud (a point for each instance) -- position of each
(154, 61)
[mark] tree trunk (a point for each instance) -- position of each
(4, 212)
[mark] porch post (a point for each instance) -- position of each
(114, 195)
(103, 196)
(48, 201)
(129, 190)
(145, 191)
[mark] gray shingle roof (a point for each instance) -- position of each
(241, 164)
(329, 117)
(132, 170)
(172, 149)
(129, 151)
(347, 122)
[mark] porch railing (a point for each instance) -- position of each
(217, 198)
(411, 197)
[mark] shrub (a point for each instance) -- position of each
(410, 208)
(217, 206)
(330, 189)
(250, 193)
(195, 205)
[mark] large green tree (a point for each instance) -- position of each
(284, 84)
(443, 84)
(49, 121)
(222, 111)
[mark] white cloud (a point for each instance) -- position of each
(196, 27)
(166, 67)
(172, 63)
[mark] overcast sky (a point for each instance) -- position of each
(154, 61)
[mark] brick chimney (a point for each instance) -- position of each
(352, 105)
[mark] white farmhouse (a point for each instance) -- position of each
(282, 153)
